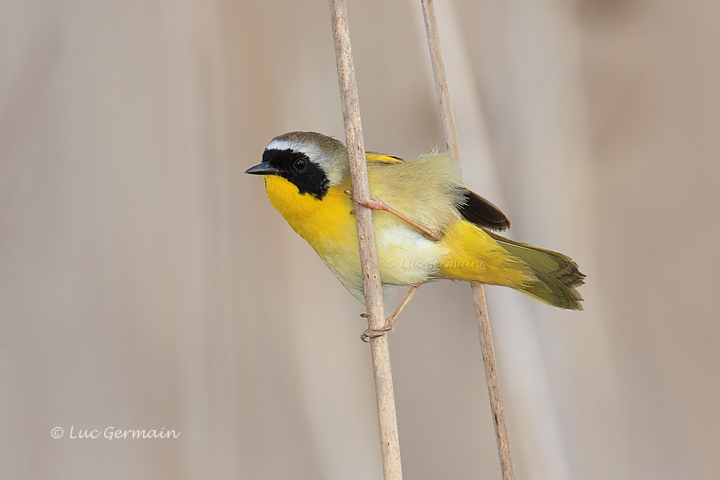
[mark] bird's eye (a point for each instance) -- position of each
(300, 164)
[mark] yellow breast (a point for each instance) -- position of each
(324, 224)
(327, 225)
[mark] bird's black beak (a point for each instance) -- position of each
(263, 168)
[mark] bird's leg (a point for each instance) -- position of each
(390, 321)
(377, 204)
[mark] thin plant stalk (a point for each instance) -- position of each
(488, 352)
(385, 396)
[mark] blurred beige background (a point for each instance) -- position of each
(147, 283)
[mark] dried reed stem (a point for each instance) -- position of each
(496, 403)
(488, 352)
(385, 396)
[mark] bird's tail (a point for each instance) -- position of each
(557, 275)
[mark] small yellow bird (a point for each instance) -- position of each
(428, 226)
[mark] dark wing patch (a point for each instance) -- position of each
(482, 213)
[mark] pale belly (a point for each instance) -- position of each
(405, 256)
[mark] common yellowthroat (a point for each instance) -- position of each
(428, 226)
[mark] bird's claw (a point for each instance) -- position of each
(374, 333)
(375, 204)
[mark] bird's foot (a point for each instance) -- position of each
(374, 333)
(375, 204)
(390, 321)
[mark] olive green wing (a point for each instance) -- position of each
(470, 205)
